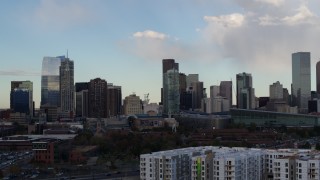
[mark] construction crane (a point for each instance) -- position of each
(146, 98)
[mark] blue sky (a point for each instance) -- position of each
(124, 41)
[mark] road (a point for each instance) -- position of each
(130, 175)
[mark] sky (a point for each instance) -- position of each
(124, 41)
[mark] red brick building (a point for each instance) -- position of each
(45, 150)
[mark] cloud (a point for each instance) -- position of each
(231, 20)
(268, 20)
(153, 46)
(60, 14)
(260, 39)
(304, 15)
(18, 73)
(150, 34)
(272, 2)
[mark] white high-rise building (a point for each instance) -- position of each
(132, 105)
(214, 91)
(276, 91)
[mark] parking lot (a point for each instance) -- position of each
(10, 158)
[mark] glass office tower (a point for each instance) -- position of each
(171, 92)
(21, 101)
(25, 86)
(301, 79)
(170, 84)
(67, 85)
(50, 81)
(245, 92)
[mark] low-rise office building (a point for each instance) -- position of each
(273, 119)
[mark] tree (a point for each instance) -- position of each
(307, 145)
(1, 174)
(14, 170)
(252, 127)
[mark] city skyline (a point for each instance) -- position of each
(216, 40)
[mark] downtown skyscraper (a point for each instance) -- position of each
(82, 99)
(301, 80)
(171, 94)
(50, 81)
(21, 97)
(226, 90)
(97, 98)
(245, 92)
(67, 85)
(318, 77)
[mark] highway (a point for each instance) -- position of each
(130, 175)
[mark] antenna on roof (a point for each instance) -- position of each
(67, 53)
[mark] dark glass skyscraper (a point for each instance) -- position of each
(19, 89)
(301, 80)
(245, 92)
(82, 99)
(21, 101)
(114, 100)
(197, 94)
(226, 90)
(67, 85)
(318, 77)
(50, 81)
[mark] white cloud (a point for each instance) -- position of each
(265, 39)
(150, 34)
(231, 20)
(16, 72)
(259, 40)
(304, 15)
(268, 20)
(52, 13)
(152, 45)
(272, 2)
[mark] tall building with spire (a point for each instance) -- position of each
(67, 88)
